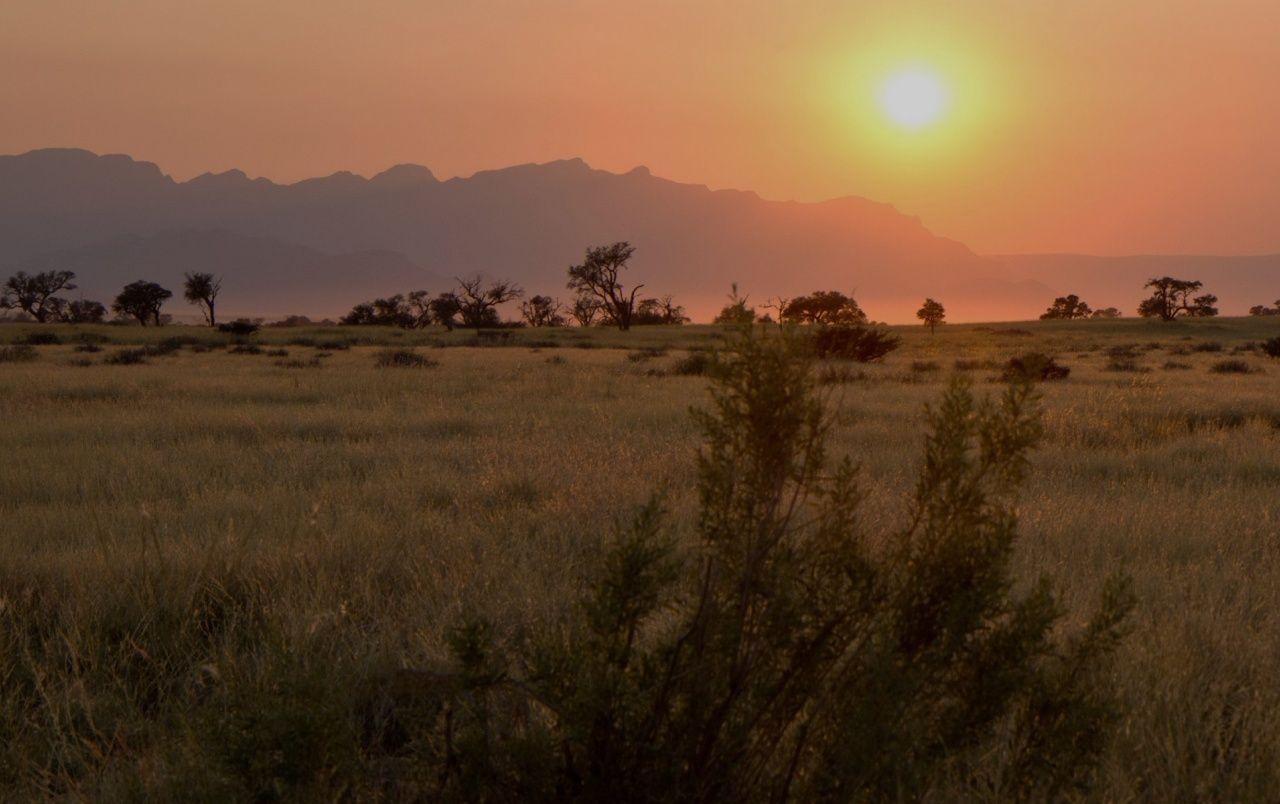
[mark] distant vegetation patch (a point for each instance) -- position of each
(855, 342)
(1233, 367)
(21, 353)
(403, 358)
(1034, 367)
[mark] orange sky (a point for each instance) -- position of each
(1103, 126)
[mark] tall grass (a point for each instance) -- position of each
(207, 557)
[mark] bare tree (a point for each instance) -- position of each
(599, 276)
(33, 294)
(585, 310)
(202, 289)
(479, 299)
(542, 311)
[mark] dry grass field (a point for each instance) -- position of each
(206, 553)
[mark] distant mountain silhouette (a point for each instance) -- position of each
(318, 246)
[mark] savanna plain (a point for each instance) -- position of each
(206, 554)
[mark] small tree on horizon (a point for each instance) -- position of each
(1171, 298)
(542, 311)
(600, 276)
(142, 300)
(1067, 308)
(827, 307)
(585, 310)
(202, 289)
(1263, 310)
(736, 312)
(479, 299)
(33, 294)
(931, 313)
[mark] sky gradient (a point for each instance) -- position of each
(1083, 126)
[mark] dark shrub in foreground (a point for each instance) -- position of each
(854, 342)
(1271, 347)
(784, 653)
(1232, 367)
(694, 364)
(1033, 367)
(22, 353)
(403, 358)
(42, 338)
(127, 357)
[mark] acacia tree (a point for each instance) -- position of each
(1105, 312)
(1171, 298)
(1067, 307)
(479, 299)
(829, 307)
(202, 289)
(1263, 310)
(599, 276)
(33, 294)
(542, 311)
(142, 300)
(444, 309)
(931, 313)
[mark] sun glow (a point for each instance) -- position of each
(914, 98)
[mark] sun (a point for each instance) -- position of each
(914, 98)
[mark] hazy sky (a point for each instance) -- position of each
(1104, 126)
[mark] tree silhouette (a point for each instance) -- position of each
(1067, 308)
(142, 300)
(823, 307)
(33, 294)
(479, 299)
(1263, 310)
(202, 289)
(78, 311)
(542, 311)
(1171, 298)
(736, 312)
(932, 314)
(585, 310)
(444, 309)
(659, 311)
(599, 276)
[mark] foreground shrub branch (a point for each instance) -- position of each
(792, 652)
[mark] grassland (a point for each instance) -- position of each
(206, 555)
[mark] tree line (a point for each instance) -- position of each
(601, 298)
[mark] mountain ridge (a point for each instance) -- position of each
(524, 222)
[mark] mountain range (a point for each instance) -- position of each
(318, 246)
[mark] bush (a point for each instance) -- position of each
(277, 353)
(175, 343)
(694, 364)
(1126, 364)
(128, 357)
(42, 337)
(1271, 347)
(1232, 367)
(245, 349)
(403, 358)
(241, 327)
(22, 353)
(646, 353)
(297, 363)
(92, 337)
(332, 346)
(88, 347)
(1206, 346)
(1174, 365)
(854, 342)
(1033, 367)
(784, 654)
(924, 366)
